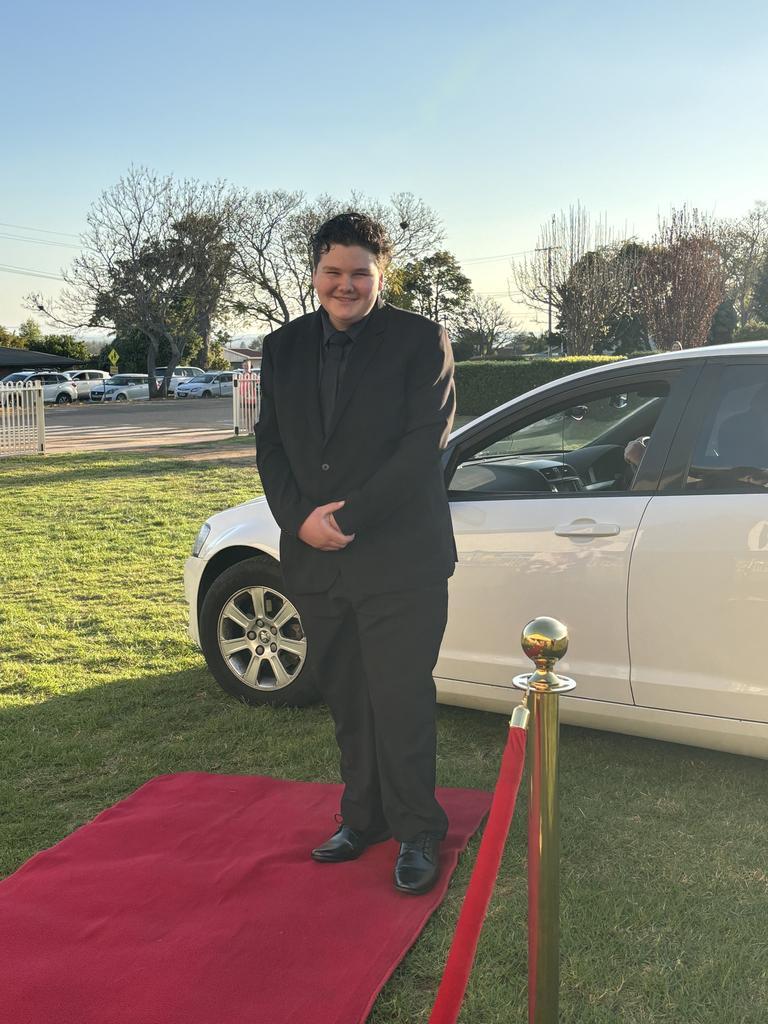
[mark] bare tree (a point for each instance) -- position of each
(574, 275)
(743, 247)
(155, 259)
(273, 271)
(681, 280)
(489, 324)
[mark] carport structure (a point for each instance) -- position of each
(12, 359)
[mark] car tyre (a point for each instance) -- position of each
(244, 607)
(121, 398)
(63, 398)
(207, 394)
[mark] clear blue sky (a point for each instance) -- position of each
(495, 113)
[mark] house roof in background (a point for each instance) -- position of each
(235, 354)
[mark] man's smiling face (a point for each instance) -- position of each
(347, 280)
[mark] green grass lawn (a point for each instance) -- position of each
(664, 901)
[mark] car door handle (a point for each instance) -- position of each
(587, 528)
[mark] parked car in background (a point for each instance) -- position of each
(58, 389)
(180, 374)
(210, 385)
(123, 387)
(659, 568)
(86, 380)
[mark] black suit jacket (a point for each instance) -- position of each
(392, 417)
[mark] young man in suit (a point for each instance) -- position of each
(357, 404)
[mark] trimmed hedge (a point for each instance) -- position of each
(484, 384)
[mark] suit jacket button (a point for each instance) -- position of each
(325, 467)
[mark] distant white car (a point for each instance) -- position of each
(210, 385)
(123, 387)
(179, 376)
(86, 380)
(57, 388)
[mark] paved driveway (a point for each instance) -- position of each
(121, 425)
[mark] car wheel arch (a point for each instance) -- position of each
(223, 560)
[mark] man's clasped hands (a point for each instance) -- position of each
(320, 529)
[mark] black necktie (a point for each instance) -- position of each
(330, 376)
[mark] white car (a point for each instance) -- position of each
(86, 380)
(58, 389)
(179, 375)
(209, 385)
(659, 570)
(123, 387)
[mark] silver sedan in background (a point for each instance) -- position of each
(216, 384)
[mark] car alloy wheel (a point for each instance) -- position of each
(63, 399)
(252, 637)
(121, 398)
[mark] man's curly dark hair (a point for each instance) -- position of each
(352, 228)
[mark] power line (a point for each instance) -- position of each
(508, 294)
(39, 241)
(42, 231)
(6, 268)
(501, 256)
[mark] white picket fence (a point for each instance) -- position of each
(22, 419)
(246, 402)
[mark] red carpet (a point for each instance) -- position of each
(194, 901)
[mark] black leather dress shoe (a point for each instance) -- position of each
(418, 864)
(346, 844)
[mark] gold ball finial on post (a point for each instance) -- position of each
(545, 642)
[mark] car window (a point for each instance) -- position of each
(593, 443)
(731, 450)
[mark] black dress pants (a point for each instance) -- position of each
(372, 658)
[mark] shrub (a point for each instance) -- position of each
(753, 330)
(484, 384)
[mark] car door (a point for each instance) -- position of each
(225, 385)
(545, 512)
(49, 382)
(698, 595)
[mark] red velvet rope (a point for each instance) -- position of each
(457, 969)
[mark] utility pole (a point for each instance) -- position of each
(549, 296)
(548, 249)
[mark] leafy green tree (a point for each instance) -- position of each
(9, 340)
(216, 358)
(435, 287)
(64, 345)
(29, 334)
(760, 294)
(724, 322)
(466, 345)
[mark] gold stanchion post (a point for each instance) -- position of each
(544, 641)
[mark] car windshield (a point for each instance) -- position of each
(123, 379)
(12, 377)
(205, 379)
